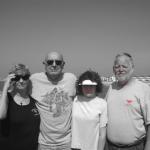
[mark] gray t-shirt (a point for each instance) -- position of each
(54, 103)
(128, 112)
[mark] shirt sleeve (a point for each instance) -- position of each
(103, 116)
(72, 86)
(145, 106)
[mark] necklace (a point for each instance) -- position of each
(21, 100)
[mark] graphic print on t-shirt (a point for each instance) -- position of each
(57, 100)
(35, 111)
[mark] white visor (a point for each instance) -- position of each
(88, 82)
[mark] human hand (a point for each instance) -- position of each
(8, 80)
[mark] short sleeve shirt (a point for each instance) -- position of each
(54, 103)
(128, 112)
(87, 119)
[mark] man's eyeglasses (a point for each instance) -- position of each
(57, 62)
(18, 77)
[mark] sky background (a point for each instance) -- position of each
(89, 33)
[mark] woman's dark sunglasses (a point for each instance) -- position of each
(57, 62)
(18, 77)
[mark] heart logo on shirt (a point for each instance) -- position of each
(129, 101)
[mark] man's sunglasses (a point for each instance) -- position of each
(18, 77)
(57, 62)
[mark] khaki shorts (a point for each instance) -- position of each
(47, 147)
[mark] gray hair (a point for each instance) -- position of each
(127, 55)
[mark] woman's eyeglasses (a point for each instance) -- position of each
(18, 77)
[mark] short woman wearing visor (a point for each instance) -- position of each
(89, 116)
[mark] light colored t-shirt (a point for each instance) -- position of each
(87, 119)
(54, 103)
(128, 111)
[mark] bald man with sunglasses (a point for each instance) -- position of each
(54, 91)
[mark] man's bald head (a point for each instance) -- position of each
(54, 65)
(54, 56)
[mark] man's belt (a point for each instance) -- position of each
(128, 145)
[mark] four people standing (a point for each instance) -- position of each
(54, 91)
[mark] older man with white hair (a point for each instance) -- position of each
(128, 108)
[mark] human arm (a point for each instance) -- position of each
(4, 97)
(145, 108)
(103, 125)
(147, 144)
(102, 138)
